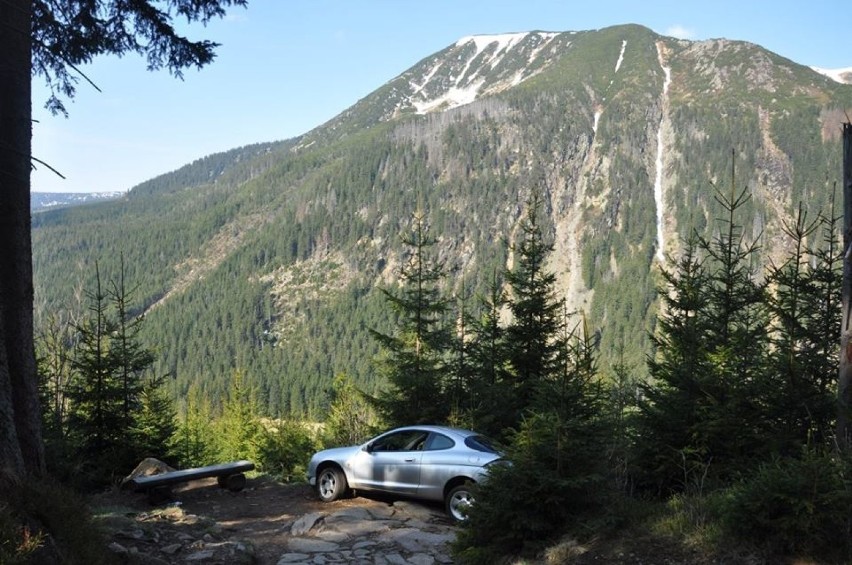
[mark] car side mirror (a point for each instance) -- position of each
(368, 448)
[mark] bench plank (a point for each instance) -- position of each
(185, 475)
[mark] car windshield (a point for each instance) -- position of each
(481, 443)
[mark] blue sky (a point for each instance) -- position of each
(285, 67)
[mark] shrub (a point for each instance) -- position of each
(553, 485)
(285, 449)
(798, 506)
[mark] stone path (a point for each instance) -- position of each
(373, 534)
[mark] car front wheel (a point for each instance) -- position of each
(331, 484)
(458, 501)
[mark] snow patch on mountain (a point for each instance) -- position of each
(45, 200)
(466, 73)
(658, 180)
(621, 55)
(843, 76)
(504, 41)
(454, 97)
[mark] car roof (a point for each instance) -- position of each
(441, 429)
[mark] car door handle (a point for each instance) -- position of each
(409, 460)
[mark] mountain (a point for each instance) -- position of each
(270, 258)
(44, 200)
(843, 76)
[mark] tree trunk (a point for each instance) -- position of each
(21, 448)
(844, 390)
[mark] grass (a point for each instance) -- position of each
(43, 522)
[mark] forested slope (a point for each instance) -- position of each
(270, 258)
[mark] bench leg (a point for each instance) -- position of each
(160, 495)
(233, 483)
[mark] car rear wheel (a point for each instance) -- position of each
(458, 501)
(331, 484)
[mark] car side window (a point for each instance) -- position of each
(406, 440)
(438, 442)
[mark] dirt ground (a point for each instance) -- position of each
(261, 515)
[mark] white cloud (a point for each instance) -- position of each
(681, 32)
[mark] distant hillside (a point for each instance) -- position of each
(270, 258)
(46, 200)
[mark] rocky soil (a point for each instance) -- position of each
(272, 523)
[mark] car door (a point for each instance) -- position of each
(391, 462)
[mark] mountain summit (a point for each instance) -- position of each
(270, 258)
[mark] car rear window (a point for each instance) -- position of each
(481, 443)
(438, 442)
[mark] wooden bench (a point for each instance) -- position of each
(158, 487)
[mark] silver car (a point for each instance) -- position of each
(426, 462)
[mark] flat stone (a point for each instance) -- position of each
(200, 556)
(171, 549)
(415, 510)
(396, 559)
(416, 541)
(332, 536)
(304, 524)
(349, 515)
(363, 528)
(363, 544)
(132, 534)
(308, 545)
(293, 558)
(421, 559)
(418, 524)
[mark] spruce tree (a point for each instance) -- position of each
(705, 411)
(824, 322)
(557, 477)
(154, 421)
(805, 309)
(491, 405)
(96, 417)
(459, 388)
(239, 428)
(413, 360)
(131, 356)
(193, 441)
(733, 419)
(54, 346)
(351, 418)
(670, 413)
(106, 390)
(533, 334)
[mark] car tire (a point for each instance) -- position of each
(331, 483)
(458, 500)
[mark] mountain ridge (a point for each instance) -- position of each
(270, 257)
